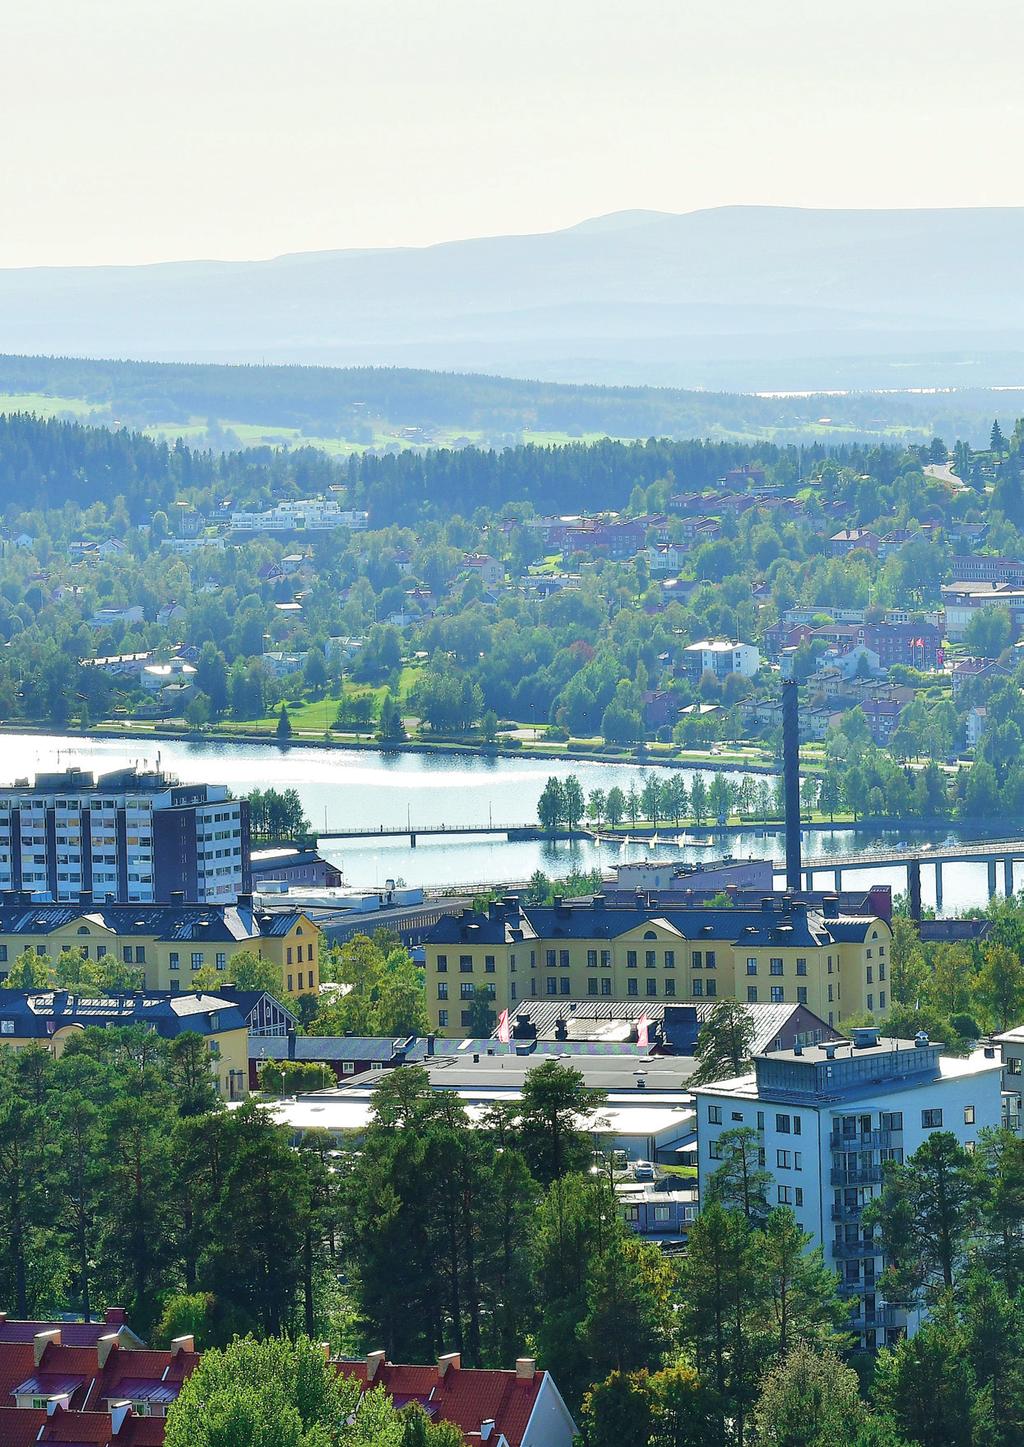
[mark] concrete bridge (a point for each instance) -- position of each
(412, 832)
(991, 852)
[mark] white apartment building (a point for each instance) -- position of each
(137, 838)
(303, 515)
(721, 658)
(828, 1116)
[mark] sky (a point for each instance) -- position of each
(149, 130)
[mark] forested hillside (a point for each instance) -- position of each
(417, 407)
(49, 463)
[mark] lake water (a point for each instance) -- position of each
(366, 789)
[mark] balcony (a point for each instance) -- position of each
(872, 1140)
(878, 1316)
(857, 1176)
(855, 1250)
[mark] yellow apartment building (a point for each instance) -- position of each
(169, 943)
(50, 1018)
(781, 952)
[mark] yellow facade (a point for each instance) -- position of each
(229, 1054)
(652, 959)
(170, 965)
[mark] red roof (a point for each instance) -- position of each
(464, 1396)
(19, 1426)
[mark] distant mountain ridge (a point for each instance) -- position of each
(726, 298)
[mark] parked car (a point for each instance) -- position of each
(643, 1171)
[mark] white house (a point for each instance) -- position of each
(827, 1117)
(721, 658)
(309, 515)
(156, 676)
(104, 617)
(977, 721)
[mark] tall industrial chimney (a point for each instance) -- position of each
(791, 780)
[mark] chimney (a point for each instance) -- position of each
(120, 1412)
(42, 1340)
(183, 1344)
(374, 1362)
(526, 1368)
(115, 1316)
(244, 901)
(451, 1361)
(486, 1428)
(177, 898)
(85, 898)
(104, 1347)
(3, 1317)
(791, 779)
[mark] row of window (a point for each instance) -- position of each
(298, 982)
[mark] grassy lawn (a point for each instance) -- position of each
(44, 406)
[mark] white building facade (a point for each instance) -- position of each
(828, 1117)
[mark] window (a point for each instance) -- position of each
(650, 960)
(101, 951)
(442, 990)
(173, 961)
(783, 1124)
(892, 1120)
(775, 966)
(563, 959)
(798, 1196)
(631, 959)
(881, 973)
(715, 1150)
(784, 1160)
(801, 966)
(670, 959)
(3, 954)
(697, 959)
(466, 964)
(197, 960)
(652, 986)
(512, 990)
(631, 988)
(778, 994)
(751, 964)
(1013, 1065)
(661, 1213)
(591, 984)
(670, 987)
(796, 1125)
(467, 1017)
(566, 988)
(442, 964)
(126, 954)
(871, 1002)
(709, 960)
(592, 960)
(551, 985)
(512, 964)
(801, 994)
(798, 1161)
(221, 960)
(488, 964)
(830, 997)
(549, 959)
(6, 1027)
(968, 1115)
(442, 1018)
(289, 984)
(697, 987)
(881, 999)
(289, 954)
(751, 994)
(785, 1195)
(714, 1115)
(712, 987)
(606, 986)
(606, 959)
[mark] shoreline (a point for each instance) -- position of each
(408, 746)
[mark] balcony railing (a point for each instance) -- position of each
(877, 1316)
(856, 1176)
(852, 1250)
(872, 1140)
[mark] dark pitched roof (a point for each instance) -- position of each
(39, 1014)
(169, 922)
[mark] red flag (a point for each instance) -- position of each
(643, 1032)
(504, 1033)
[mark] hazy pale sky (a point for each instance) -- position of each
(144, 130)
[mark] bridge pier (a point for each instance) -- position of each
(412, 840)
(1008, 878)
(938, 885)
(991, 877)
(914, 886)
(808, 880)
(837, 879)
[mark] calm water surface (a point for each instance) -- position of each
(366, 789)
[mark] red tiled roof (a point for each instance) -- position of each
(72, 1333)
(16, 1363)
(19, 1426)
(466, 1397)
